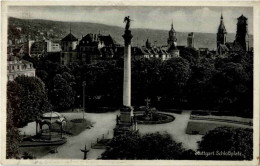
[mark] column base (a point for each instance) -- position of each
(126, 122)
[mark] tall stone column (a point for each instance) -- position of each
(126, 122)
(127, 69)
(126, 112)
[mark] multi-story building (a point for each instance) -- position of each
(69, 51)
(16, 67)
(40, 48)
(90, 49)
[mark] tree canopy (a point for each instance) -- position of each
(191, 81)
(228, 139)
(149, 146)
(28, 99)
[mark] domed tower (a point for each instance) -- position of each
(242, 31)
(222, 33)
(172, 40)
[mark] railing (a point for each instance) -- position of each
(100, 142)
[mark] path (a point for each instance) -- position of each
(71, 150)
(177, 129)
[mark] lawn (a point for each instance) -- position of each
(202, 127)
(76, 126)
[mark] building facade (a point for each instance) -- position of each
(41, 48)
(16, 67)
(68, 49)
(90, 49)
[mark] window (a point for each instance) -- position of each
(62, 62)
(18, 67)
(30, 66)
(12, 67)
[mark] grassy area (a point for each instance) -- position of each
(76, 126)
(202, 127)
(37, 151)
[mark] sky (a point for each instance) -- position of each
(185, 19)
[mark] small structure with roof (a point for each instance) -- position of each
(49, 124)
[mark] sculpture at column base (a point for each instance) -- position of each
(126, 122)
(127, 37)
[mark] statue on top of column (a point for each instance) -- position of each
(127, 20)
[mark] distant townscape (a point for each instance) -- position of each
(93, 91)
(24, 40)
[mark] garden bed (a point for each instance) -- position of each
(76, 126)
(157, 118)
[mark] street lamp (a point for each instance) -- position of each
(84, 85)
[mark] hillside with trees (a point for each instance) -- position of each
(56, 30)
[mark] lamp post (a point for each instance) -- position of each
(84, 86)
(85, 151)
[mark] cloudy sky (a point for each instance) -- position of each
(186, 19)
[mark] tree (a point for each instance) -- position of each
(232, 140)
(124, 146)
(200, 90)
(42, 74)
(146, 79)
(175, 74)
(159, 146)
(12, 135)
(149, 146)
(231, 82)
(61, 93)
(28, 99)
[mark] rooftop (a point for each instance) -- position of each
(69, 37)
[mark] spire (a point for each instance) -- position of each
(172, 23)
(221, 28)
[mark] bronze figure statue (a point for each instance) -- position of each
(127, 20)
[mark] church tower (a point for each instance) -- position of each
(172, 40)
(172, 44)
(190, 40)
(222, 33)
(242, 32)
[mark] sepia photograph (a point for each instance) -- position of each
(91, 82)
